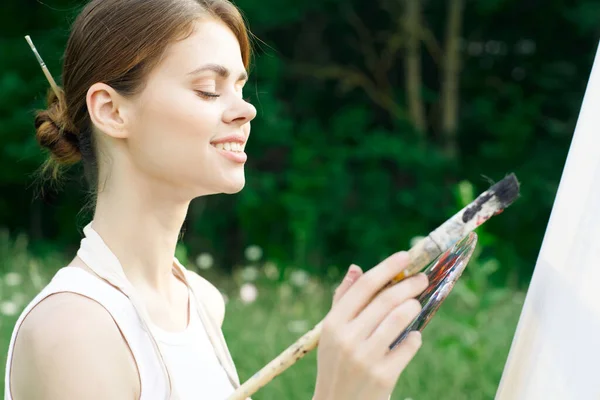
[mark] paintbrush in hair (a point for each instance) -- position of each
(489, 203)
(47, 73)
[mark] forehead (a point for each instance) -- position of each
(211, 42)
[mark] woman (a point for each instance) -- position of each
(152, 105)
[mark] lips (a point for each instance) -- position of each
(230, 139)
(231, 147)
(236, 156)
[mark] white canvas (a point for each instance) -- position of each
(555, 352)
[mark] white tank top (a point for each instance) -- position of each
(187, 365)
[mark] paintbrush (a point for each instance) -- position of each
(47, 73)
(489, 203)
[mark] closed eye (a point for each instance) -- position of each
(207, 95)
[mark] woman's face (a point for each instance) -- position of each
(190, 123)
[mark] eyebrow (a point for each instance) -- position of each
(219, 70)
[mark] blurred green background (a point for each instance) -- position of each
(376, 121)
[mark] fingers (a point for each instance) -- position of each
(391, 310)
(361, 293)
(398, 358)
(391, 327)
(354, 272)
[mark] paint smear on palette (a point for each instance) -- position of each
(443, 273)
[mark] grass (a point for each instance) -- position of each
(462, 357)
(463, 353)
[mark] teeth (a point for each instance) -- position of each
(231, 146)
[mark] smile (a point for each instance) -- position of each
(234, 147)
(233, 151)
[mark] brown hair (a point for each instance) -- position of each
(117, 42)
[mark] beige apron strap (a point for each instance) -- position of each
(101, 260)
(214, 332)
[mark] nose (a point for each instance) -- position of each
(240, 111)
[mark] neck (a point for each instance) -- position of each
(141, 228)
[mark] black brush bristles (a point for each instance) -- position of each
(506, 190)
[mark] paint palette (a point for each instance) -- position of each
(443, 272)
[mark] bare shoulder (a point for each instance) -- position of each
(211, 296)
(69, 347)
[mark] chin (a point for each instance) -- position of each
(231, 184)
(234, 187)
(228, 184)
(235, 183)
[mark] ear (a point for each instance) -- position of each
(108, 110)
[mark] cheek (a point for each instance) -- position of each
(175, 131)
(182, 115)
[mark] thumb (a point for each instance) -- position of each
(354, 272)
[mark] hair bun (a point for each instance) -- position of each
(52, 131)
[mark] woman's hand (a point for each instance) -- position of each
(353, 357)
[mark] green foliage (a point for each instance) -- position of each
(334, 176)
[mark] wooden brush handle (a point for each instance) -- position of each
(282, 362)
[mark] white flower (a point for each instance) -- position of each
(298, 326)
(225, 297)
(253, 253)
(249, 273)
(13, 279)
(248, 293)
(299, 278)
(204, 261)
(8, 308)
(19, 298)
(271, 270)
